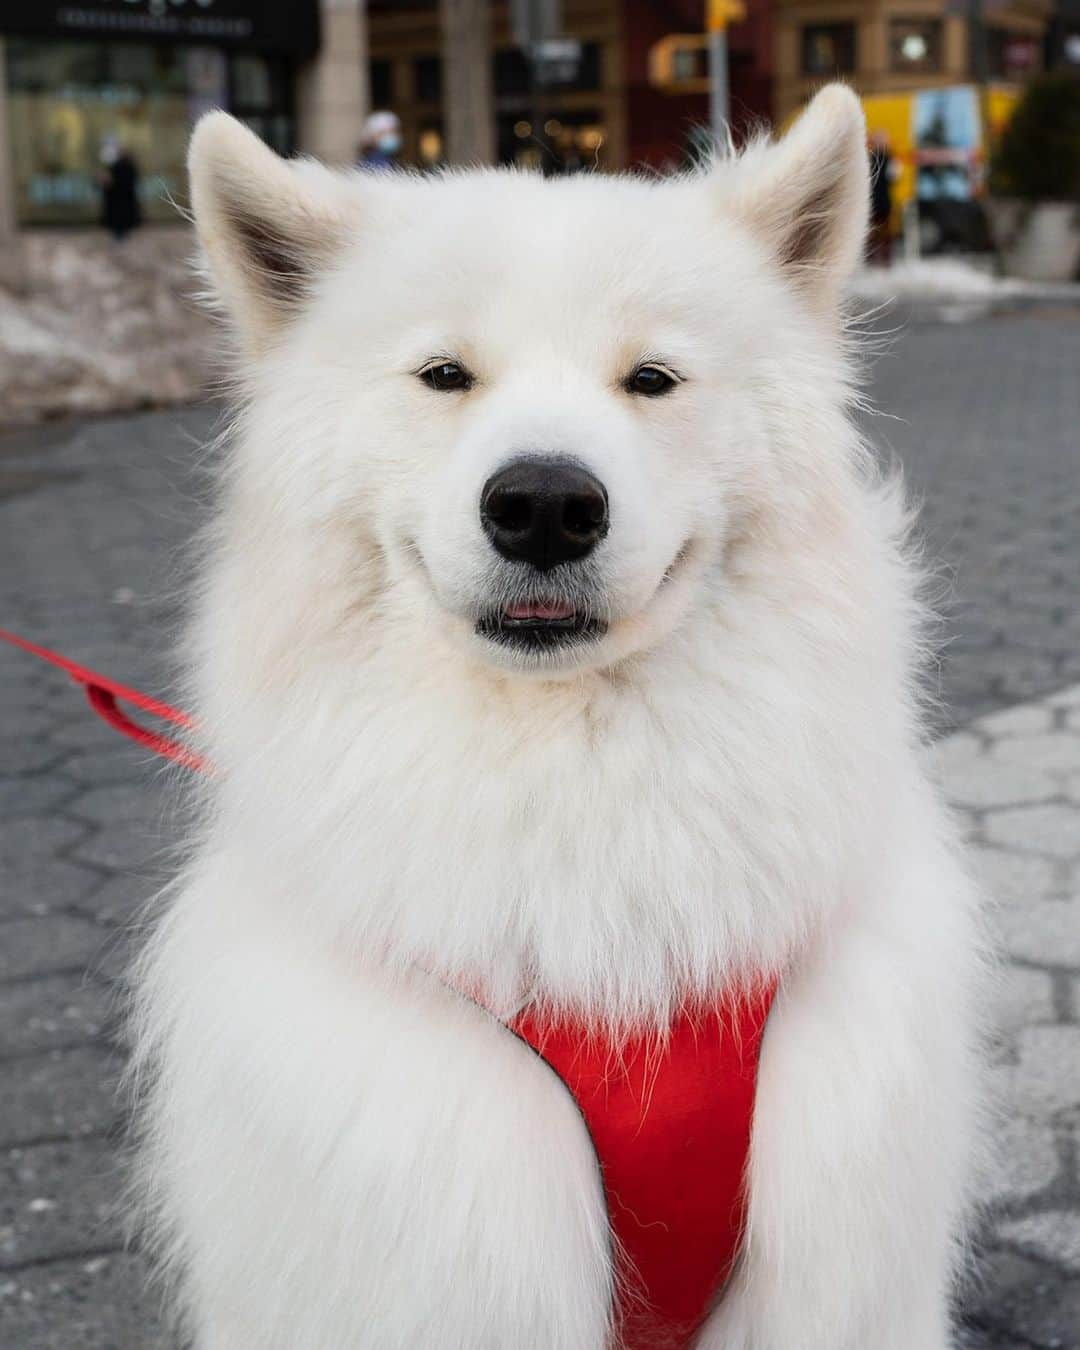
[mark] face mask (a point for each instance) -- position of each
(389, 144)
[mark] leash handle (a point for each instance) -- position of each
(104, 696)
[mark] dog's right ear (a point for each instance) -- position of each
(267, 226)
(807, 196)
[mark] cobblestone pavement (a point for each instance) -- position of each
(985, 421)
(1014, 776)
(92, 518)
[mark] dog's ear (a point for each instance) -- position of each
(808, 196)
(267, 226)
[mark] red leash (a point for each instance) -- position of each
(104, 696)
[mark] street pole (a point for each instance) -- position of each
(538, 30)
(532, 24)
(978, 40)
(719, 96)
(11, 271)
(718, 14)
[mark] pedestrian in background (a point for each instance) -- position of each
(882, 173)
(380, 141)
(119, 179)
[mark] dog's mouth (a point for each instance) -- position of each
(540, 625)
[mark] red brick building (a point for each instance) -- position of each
(658, 123)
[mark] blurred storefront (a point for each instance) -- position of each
(302, 73)
(596, 107)
(141, 71)
(578, 114)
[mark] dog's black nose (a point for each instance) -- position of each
(544, 511)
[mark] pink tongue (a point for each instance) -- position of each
(540, 610)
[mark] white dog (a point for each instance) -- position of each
(555, 651)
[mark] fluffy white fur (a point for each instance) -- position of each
(337, 1150)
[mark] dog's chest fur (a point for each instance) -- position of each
(615, 841)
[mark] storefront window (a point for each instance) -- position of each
(828, 49)
(66, 99)
(251, 85)
(258, 94)
(427, 73)
(1012, 56)
(382, 84)
(915, 46)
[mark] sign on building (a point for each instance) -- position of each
(271, 25)
(535, 21)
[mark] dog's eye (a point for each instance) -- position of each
(447, 376)
(650, 381)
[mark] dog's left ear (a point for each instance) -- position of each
(808, 196)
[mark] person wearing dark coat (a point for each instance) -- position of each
(882, 172)
(119, 190)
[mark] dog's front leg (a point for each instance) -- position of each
(864, 1133)
(341, 1161)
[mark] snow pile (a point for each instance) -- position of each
(96, 326)
(949, 281)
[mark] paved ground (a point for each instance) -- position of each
(985, 420)
(1015, 777)
(91, 518)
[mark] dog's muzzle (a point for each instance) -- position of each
(544, 515)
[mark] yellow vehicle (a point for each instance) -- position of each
(939, 140)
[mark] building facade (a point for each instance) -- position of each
(577, 116)
(887, 47)
(140, 72)
(599, 109)
(303, 73)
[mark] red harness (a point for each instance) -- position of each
(670, 1124)
(669, 1118)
